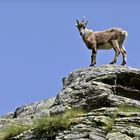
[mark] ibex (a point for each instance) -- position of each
(104, 40)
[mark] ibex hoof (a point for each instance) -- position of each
(91, 65)
(123, 63)
(112, 62)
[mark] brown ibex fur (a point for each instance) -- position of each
(108, 39)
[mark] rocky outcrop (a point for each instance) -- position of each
(96, 87)
(110, 95)
(34, 109)
(25, 114)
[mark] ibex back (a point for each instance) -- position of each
(108, 39)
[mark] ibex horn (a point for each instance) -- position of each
(77, 21)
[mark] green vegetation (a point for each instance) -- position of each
(53, 124)
(121, 108)
(13, 130)
(57, 122)
(110, 124)
(48, 125)
(73, 113)
(128, 108)
(107, 122)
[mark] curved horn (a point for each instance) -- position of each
(77, 21)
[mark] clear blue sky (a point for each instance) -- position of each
(39, 44)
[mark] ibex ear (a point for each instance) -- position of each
(84, 19)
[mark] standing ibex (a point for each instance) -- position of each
(108, 39)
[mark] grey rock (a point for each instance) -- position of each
(102, 86)
(128, 125)
(8, 115)
(76, 136)
(117, 136)
(100, 90)
(34, 109)
(94, 136)
(136, 138)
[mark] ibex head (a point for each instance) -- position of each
(81, 25)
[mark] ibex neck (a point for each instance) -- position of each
(86, 32)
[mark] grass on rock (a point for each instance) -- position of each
(128, 108)
(53, 124)
(13, 130)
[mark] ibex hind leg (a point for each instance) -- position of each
(123, 51)
(116, 48)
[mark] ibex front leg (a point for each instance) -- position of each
(93, 58)
(116, 48)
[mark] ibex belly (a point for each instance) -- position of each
(105, 46)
